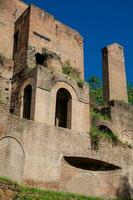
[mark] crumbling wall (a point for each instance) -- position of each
(6, 68)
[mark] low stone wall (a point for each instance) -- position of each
(42, 149)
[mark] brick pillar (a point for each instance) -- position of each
(114, 76)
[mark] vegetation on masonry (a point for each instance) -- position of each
(72, 72)
(27, 193)
(97, 135)
(96, 114)
(97, 102)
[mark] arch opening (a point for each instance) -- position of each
(40, 58)
(27, 102)
(63, 113)
(105, 129)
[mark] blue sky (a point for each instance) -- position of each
(100, 22)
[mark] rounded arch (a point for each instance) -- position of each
(63, 108)
(12, 158)
(58, 85)
(29, 81)
(67, 86)
(104, 128)
(9, 136)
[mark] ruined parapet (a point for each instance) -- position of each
(114, 77)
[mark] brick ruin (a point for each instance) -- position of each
(45, 116)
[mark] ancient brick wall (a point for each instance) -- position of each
(6, 69)
(8, 15)
(45, 86)
(47, 33)
(122, 115)
(21, 42)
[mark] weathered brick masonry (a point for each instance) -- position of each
(45, 115)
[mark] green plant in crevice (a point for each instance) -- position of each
(97, 135)
(72, 72)
(80, 83)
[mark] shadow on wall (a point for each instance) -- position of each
(124, 191)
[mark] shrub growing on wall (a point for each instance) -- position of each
(72, 72)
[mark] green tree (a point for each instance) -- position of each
(130, 92)
(96, 91)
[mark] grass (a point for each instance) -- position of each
(8, 181)
(27, 193)
(36, 194)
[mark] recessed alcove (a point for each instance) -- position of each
(90, 164)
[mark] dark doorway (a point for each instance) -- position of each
(27, 102)
(63, 108)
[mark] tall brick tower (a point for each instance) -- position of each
(114, 77)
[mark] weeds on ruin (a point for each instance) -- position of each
(97, 135)
(72, 72)
(97, 115)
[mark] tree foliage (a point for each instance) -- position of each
(130, 92)
(70, 71)
(96, 91)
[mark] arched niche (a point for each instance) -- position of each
(105, 129)
(63, 113)
(27, 102)
(74, 102)
(11, 158)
